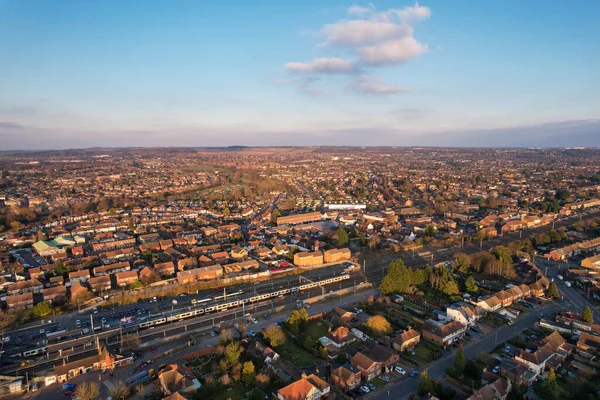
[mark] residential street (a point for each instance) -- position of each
(437, 370)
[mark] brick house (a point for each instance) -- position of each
(346, 377)
(100, 283)
(443, 333)
(368, 367)
(406, 340)
(126, 278)
(54, 295)
(19, 301)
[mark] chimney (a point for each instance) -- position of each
(303, 375)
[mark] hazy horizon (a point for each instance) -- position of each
(387, 73)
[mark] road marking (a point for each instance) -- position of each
(109, 385)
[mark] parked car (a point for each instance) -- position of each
(400, 370)
(251, 334)
(365, 389)
(69, 386)
(371, 386)
(254, 321)
(496, 369)
(507, 349)
(511, 322)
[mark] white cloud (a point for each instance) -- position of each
(392, 52)
(371, 86)
(412, 14)
(361, 11)
(323, 66)
(363, 32)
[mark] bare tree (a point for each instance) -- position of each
(120, 390)
(87, 391)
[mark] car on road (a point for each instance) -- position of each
(400, 370)
(213, 333)
(414, 372)
(69, 386)
(496, 369)
(254, 321)
(511, 322)
(541, 315)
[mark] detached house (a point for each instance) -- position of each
(386, 357)
(406, 340)
(346, 377)
(307, 388)
(443, 333)
(368, 367)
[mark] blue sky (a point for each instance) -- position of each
(200, 73)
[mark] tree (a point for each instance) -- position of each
(248, 373)
(136, 285)
(233, 351)
(471, 285)
(130, 340)
(274, 215)
(87, 391)
(309, 343)
(460, 361)
(297, 320)
(425, 384)
(81, 298)
(362, 238)
(552, 291)
(275, 335)
(41, 309)
(398, 278)
(341, 236)
(378, 325)
(119, 390)
(429, 231)
(374, 241)
(262, 379)
(549, 388)
(462, 262)
(451, 288)
(587, 315)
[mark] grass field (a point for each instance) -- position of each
(317, 330)
(296, 354)
(235, 392)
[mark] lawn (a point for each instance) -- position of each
(378, 383)
(296, 354)
(317, 330)
(426, 352)
(235, 392)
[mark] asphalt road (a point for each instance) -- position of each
(487, 343)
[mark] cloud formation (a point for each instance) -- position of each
(371, 86)
(323, 66)
(375, 38)
(392, 52)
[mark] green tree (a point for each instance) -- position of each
(471, 285)
(309, 343)
(248, 373)
(549, 388)
(429, 231)
(274, 215)
(363, 239)
(226, 211)
(41, 309)
(341, 236)
(136, 285)
(460, 360)
(233, 351)
(587, 316)
(425, 384)
(451, 288)
(552, 291)
(398, 278)
(462, 262)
